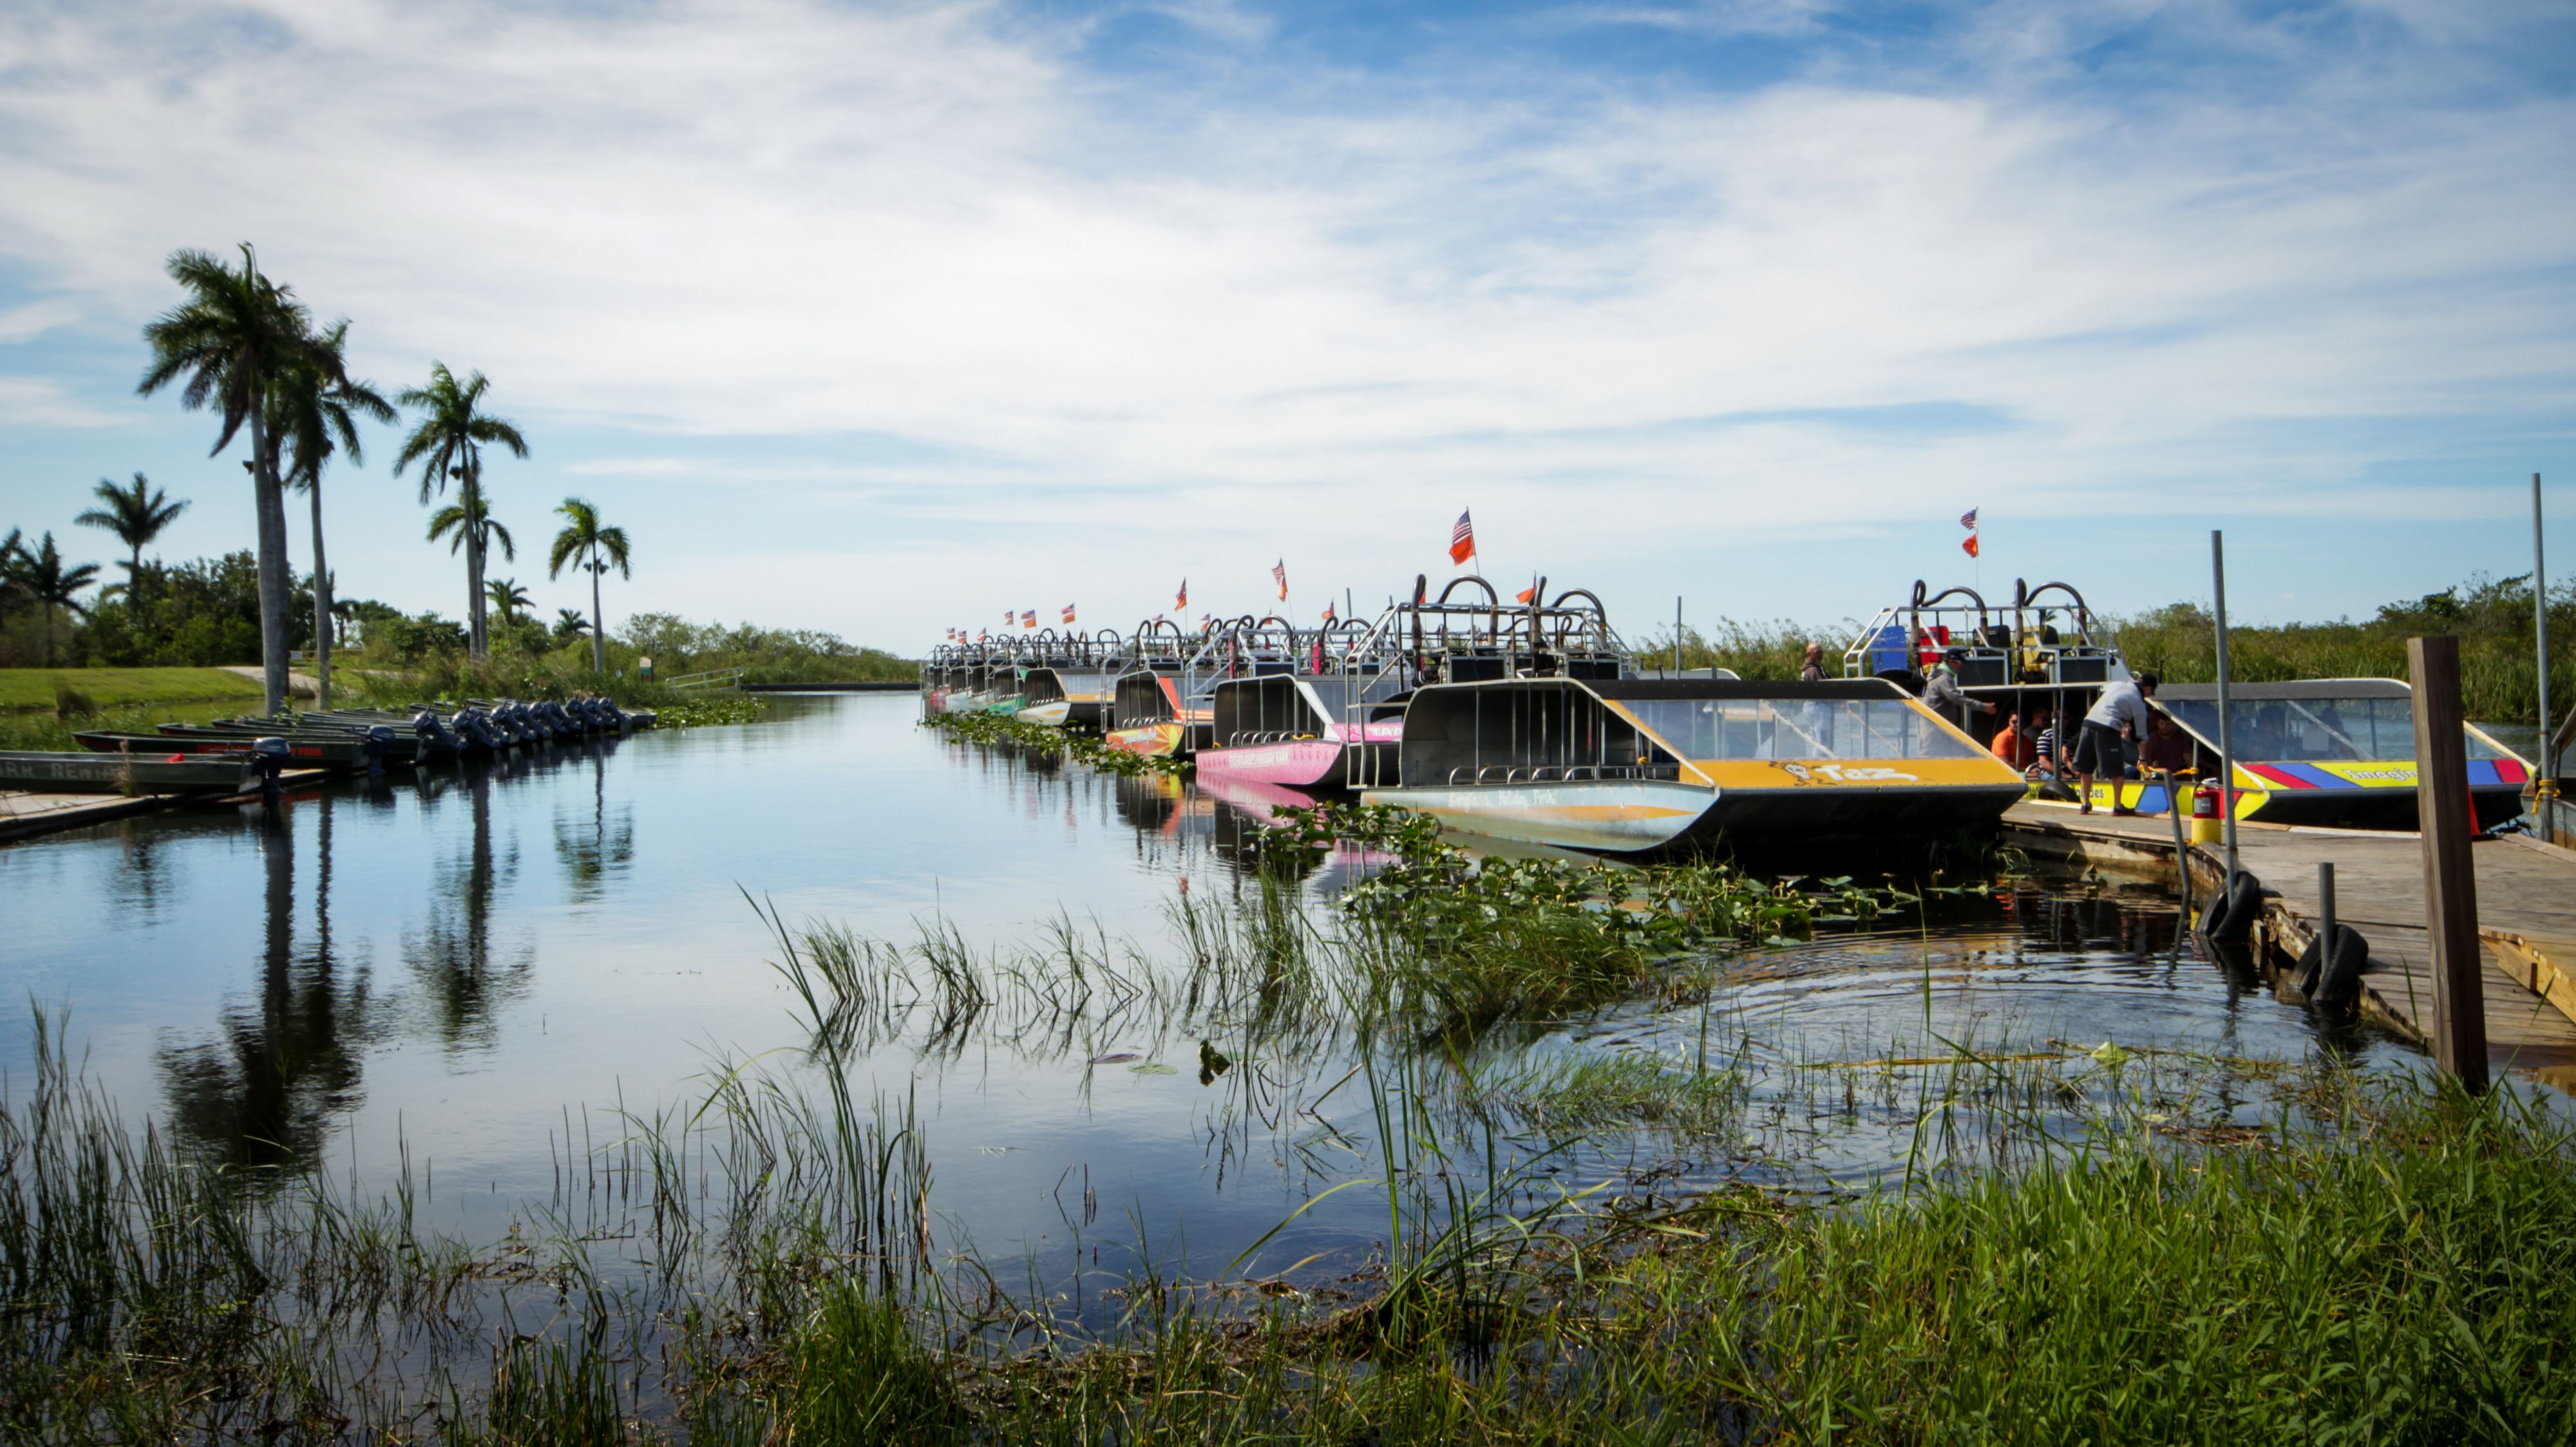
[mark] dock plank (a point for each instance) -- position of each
(23, 814)
(2525, 893)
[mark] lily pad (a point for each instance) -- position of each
(1150, 1068)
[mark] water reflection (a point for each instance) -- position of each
(594, 848)
(463, 978)
(264, 1092)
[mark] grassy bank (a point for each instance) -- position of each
(39, 688)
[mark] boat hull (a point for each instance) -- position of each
(2340, 795)
(306, 751)
(1605, 817)
(1166, 739)
(1053, 714)
(94, 773)
(1645, 817)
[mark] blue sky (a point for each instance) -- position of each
(881, 318)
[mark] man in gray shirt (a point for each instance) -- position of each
(1942, 694)
(2121, 712)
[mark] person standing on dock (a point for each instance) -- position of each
(1813, 670)
(2119, 714)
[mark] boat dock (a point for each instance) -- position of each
(25, 814)
(2526, 914)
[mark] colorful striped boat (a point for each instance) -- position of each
(2332, 751)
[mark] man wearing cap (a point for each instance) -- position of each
(1942, 694)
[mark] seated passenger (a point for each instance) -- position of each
(2167, 749)
(2014, 744)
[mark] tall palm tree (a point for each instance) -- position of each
(507, 596)
(449, 442)
(136, 514)
(467, 524)
(41, 572)
(316, 411)
(235, 333)
(13, 553)
(597, 547)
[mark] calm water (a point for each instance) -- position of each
(468, 963)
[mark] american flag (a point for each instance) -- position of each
(981, 635)
(1279, 571)
(1205, 620)
(1968, 520)
(1009, 617)
(1462, 539)
(1068, 612)
(1328, 612)
(1183, 601)
(1029, 619)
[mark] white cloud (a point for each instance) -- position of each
(39, 402)
(1274, 322)
(26, 323)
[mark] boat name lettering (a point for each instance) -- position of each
(1847, 773)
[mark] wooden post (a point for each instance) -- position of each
(2226, 710)
(2545, 787)
(2450, 879)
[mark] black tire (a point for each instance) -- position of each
(2229, 919)
(2339, 982)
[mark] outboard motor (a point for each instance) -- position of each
(566, 723)
(430, 736)
(268, 757)
(379, 742)
(475, 727)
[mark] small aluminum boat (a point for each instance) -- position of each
(178, 771)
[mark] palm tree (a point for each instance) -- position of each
(569, 625)
(236, 333)
(473, 528)
(136, 514)
(13, 553)
(316, 411)
(40, 571)
(507, 596)
(584, 538)
(449, 442)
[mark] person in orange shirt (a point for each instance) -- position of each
(2014, 745)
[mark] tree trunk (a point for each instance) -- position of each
(49, 632)
(598, 640)
(477, 645)
(274, 586)
(321, 606)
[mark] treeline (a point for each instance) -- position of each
(766, 655)
(2500, 674)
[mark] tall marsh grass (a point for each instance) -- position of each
(2097, 1245)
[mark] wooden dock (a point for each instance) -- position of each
(25, 814)
(2526, 913)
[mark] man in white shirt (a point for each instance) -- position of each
(2121, 712)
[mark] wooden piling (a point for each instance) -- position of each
(2450, 883)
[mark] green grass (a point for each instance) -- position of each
(34, 688)
(35, 729)
(2382, 1262)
